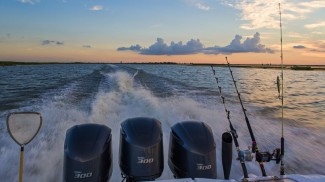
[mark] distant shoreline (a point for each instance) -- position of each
(13, 63)
(261, 66)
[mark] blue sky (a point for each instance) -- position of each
(94, 30)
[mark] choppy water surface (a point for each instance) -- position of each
(70, 94)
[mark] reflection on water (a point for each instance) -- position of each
(304, 91)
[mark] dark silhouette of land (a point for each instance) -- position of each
(261, 66)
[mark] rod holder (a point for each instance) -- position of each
(226, 154)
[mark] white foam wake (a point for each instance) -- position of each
(44, 155)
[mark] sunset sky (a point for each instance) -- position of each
(184, 31)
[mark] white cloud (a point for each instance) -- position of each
(198, 4)
(315, 25)
(265, 14)
(202, 7)
(239, 46)
(250, 44)
(96, 8)
(28, 1)
(318, 33)
(314, 4)
(295, 35)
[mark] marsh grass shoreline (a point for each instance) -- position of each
(260, 66)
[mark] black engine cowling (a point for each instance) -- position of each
(192, 151)
(88, 153)
(141, 149)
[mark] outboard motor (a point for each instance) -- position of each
(192, 151)
(88, 153)
(141, 149)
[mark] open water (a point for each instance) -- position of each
(71, 94)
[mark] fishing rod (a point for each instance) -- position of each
(282, 121)
(232, 129)
(255, 149)
(261, 157)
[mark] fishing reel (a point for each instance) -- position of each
(247, 155)
(267, 156)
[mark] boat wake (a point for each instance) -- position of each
(113, 94)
